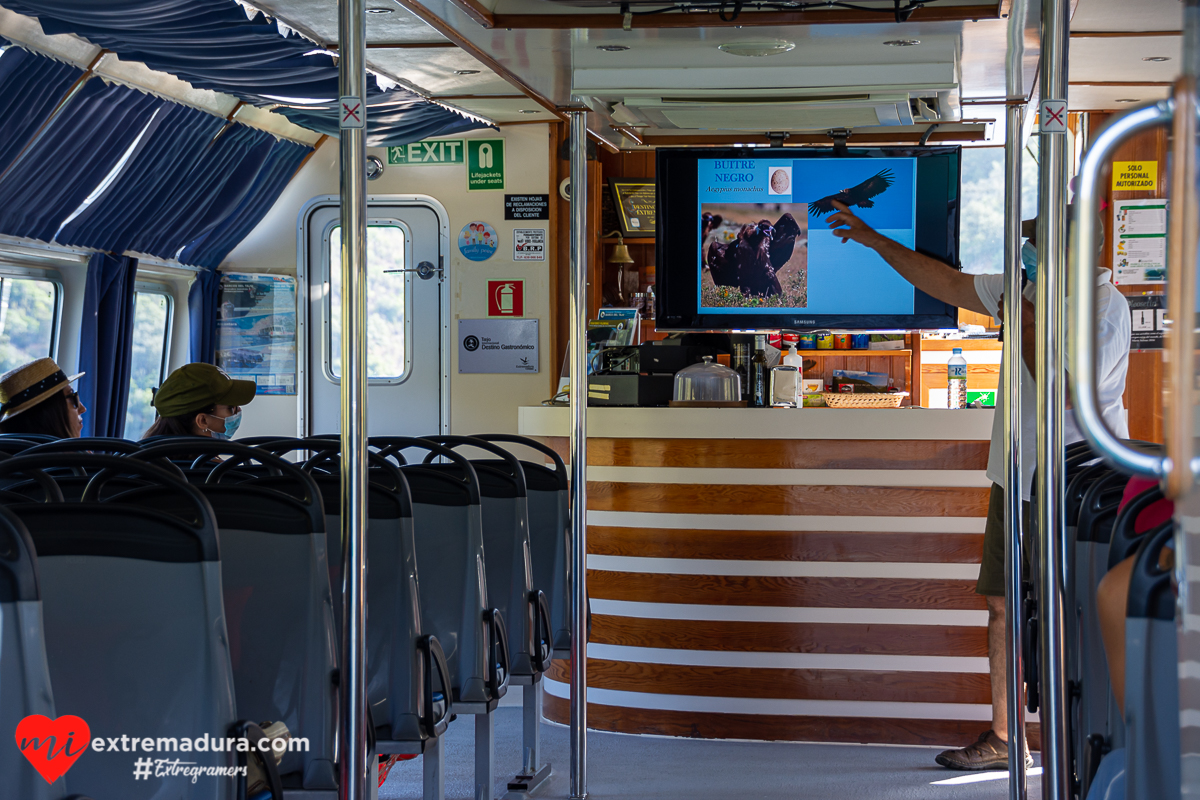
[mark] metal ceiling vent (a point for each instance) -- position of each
(796, 112)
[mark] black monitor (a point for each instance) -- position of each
(744, 242)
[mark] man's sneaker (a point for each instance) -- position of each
(988, 752)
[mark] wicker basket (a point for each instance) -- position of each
(864, 400)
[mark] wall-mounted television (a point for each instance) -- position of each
(744, 241)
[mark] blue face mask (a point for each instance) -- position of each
(232, 423)
(1029, 257)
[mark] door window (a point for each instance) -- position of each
(151, 346)
(28, 320)
(388, 358)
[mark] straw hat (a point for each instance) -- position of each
(24, 387)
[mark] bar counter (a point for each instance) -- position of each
(784, 574)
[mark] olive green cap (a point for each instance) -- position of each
(195, 387)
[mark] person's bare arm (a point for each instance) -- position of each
(929, 275)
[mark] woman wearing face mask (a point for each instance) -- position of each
(200, 400)
(38, 398)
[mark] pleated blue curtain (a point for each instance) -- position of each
(281, 164)
(215, 185)
(212, 45)
(157, 174)
(30, 87)
(49, 180)
(202, 316)
(106, 343)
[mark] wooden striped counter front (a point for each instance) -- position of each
(788, 574)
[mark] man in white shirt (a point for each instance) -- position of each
(984, 294)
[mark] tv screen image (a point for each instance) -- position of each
(759, 252)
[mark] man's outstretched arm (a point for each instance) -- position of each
(929, 275)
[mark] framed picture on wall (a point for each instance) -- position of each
(634, 199)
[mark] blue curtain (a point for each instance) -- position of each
(211, 248)
(30, 87)
(202, 316)
(157, 174)
(212, 45)
(106, 343)
(99, 123)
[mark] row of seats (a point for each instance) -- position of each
(1130, 751)
(187, 585)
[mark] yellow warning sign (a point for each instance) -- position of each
(1135, 176)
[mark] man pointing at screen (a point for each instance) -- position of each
(984, 294)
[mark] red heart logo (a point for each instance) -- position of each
(53, 745)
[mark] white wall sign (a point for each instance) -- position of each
(1052, 116)
(497, 345)
(529, 244)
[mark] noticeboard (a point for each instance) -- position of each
(256, 330)
(634, 199)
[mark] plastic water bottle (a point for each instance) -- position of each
(956, 380)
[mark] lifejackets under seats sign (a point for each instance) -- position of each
(485, 164)
(1135, 176)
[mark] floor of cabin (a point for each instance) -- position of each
(635, 767)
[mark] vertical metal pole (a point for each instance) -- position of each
(578, 311)
(1013, 533)
(352, 80)
(1051, 336)
(1013, 478)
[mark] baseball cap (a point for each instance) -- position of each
(195, 387)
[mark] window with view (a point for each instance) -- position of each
(981, 242)
(28, 320)
(386, 303)
(151, 335)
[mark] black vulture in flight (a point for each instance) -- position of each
(858, 196)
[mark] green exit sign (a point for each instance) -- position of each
(431, 153)
(987, 398)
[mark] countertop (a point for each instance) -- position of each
(971, 424)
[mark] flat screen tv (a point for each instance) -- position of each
(744, 240)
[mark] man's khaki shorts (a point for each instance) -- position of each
(991, 568)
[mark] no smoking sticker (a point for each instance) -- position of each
(353, 113)
(1052, 116)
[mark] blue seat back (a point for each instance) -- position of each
(24, 673)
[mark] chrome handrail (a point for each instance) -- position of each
(1082, 341)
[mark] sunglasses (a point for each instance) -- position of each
(73, 399)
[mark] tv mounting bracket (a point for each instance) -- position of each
(839, 136)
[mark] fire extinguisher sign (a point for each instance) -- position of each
(506, 298)
(529, 244)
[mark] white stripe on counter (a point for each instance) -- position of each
(785, 569)
(786, 522)
(770, 707)
(793, 477)
(757, 660)
(833, 616)
(972, 356)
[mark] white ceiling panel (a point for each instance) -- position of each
(320, 18)
(1128, 15)
(1120, 59)
(1104, 98)
(433, 69)
(504, 109)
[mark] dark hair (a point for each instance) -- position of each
(178, 425)
(51, 416)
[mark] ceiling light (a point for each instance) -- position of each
(379, 10)
(527, 111)
(1157, 58)
(1127, 100)
(612, 48)
(466, 72)
(773, 47)
(902, 42)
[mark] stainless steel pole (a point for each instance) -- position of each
(1050, 379)
(578, 314)
(1013, 502)
(1013, 475)
(355, 766)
